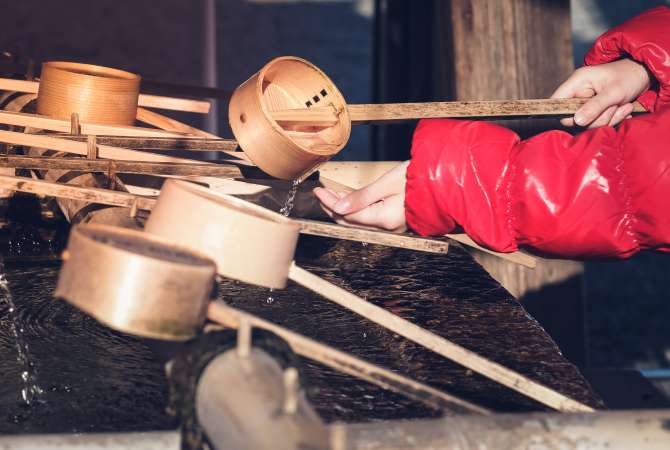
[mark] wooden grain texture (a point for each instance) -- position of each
(65, 126)
(343, 362)
(506, 49)
(97, 94)
(87, 194)
(185, 143)
(120, 166)
(350, 233)
(523, 259)
(144, 100)
(398, 112)
(503, 49)
(169, 124)
(438, 344)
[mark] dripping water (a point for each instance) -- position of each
(290, 199)
(31, 391)
(286, 212)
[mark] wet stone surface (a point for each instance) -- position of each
(95, 379)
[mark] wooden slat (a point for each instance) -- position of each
(119, 166)
(395, 112)
(174, 103)
(92, 195)
(231, 318)
(389, 239)
(65, 126)
(520, 258)
(185, 143)
(170, 124)
(437, 344)
(148, 101)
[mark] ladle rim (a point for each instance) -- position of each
(343, 115)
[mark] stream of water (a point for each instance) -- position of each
(31, 390)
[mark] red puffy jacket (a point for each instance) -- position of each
(602, 193)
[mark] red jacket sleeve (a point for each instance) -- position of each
(646, 39)
(603, 193)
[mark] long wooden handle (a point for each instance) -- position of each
(230, 317)
(120, 166)
(396, 112)
(438, 344)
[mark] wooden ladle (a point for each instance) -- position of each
(252, 244)
(140, 284)
(290, 117)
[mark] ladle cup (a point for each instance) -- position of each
(255, 245)
(135, 282)
(140, 284)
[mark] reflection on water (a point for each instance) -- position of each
(95, 379)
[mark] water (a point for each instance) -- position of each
(290, 199)
(97, 380)
(31, 391)
(285, 211)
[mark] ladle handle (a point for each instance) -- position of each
(398, 112)
(231, 317)
(438, 344)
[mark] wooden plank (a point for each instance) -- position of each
(524, 32)
(408, 241)
(185, 143)
(397, 112)
(520, 258)
(65, 126)
(144, 100)
(170, 124)
(120, 166)
(92, 195)
(437, 344)
(232, 318)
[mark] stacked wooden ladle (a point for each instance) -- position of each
(244, 242)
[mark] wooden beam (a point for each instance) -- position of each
(398, 112)
(521, 258)
(144, 100)
(92, 195)
(437, 344)
(120, 166)
(65, 126)
(232, 318)
(407, 241)
(170, 124)
(185, 143)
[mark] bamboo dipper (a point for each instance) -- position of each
(140, 284)
(290, 117)
(252, 244)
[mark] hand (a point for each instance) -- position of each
(612, 88)
(381, 204)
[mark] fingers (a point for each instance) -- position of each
(387, 214)
(598, 108)
(604, 118)
(392, 182)
(623, 112)
(327, 198)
